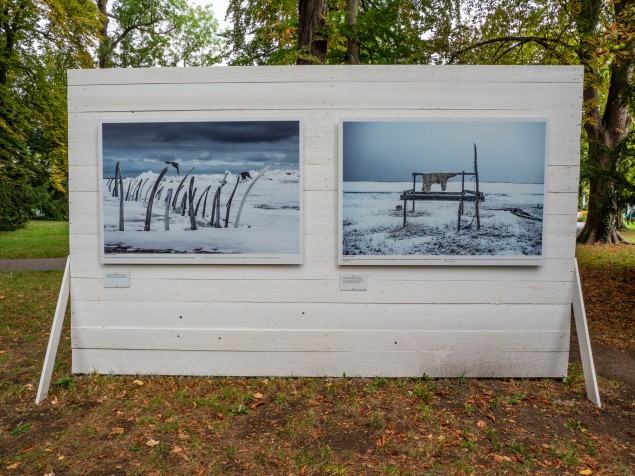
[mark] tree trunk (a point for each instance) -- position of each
(605, 130)
(353, 45)
(602, 219)
(312, 37)
(103, 52)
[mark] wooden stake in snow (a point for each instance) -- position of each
(203, 197)
(166, 217)
(178, 189)
(242, 202)
(228, 205)
(121, 197)
(215, 218)
(191, 205)
(151, 201)
(183, 204)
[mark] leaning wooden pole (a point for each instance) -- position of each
(229, 201)
(478, 195)
(146, 227)
(119, 182)
(178, 189)
(242, 202)
(191, 204)
(166, 215)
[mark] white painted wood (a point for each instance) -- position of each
(54, 336)
(584, 341)
(321, 95)
(447, 321)
(553, 271)
(265, 340)
(327, 291)
(333, 316)
(311, 74)
(450, 363)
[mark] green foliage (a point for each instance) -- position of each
(22, 428)
(38, 42)
(389, 31)
(143, 33)
(15, 203)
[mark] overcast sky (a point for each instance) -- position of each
(508, 151)
(211, 147)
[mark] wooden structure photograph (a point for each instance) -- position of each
(481, 198)
(441, 178)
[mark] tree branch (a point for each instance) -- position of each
(542, 41)
(126, 31)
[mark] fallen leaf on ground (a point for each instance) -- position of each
(116, 431)
(501, 458)
(258, 395)
(585, 472)
(138, 383)
(152, 443)
(13, 466)
(481, 424)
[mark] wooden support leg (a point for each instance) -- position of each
(405, 211)
(478, 216)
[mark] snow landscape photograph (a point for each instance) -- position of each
(442, 191)
(201, 192)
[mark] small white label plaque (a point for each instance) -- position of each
(117, 279)
(353, 282)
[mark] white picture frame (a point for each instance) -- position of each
(246, 178)
(403, 183)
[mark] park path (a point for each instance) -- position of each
(33, 264)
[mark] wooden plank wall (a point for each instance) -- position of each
(294, 320)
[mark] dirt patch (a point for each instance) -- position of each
(610, 363)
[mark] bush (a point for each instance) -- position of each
(15, 205)
(49, 204)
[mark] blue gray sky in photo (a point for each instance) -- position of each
(212, 147)
(389, 151)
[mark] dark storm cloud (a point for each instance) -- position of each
(131, 135)
(211, 147)
(230, 132)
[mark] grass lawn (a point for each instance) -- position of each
(151, 425)
(40, 239)
(608, 284)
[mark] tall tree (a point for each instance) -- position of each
(352, 35)
(38, 42)
(608, 122)
(597, 34)
(138, 33)
(263, 32)
(381, 32)
(312, 31)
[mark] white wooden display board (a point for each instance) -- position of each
(318, 318)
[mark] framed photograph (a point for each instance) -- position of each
(442, 191)
(216, 191)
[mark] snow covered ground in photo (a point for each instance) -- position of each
(269, 223)
(372, 225)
